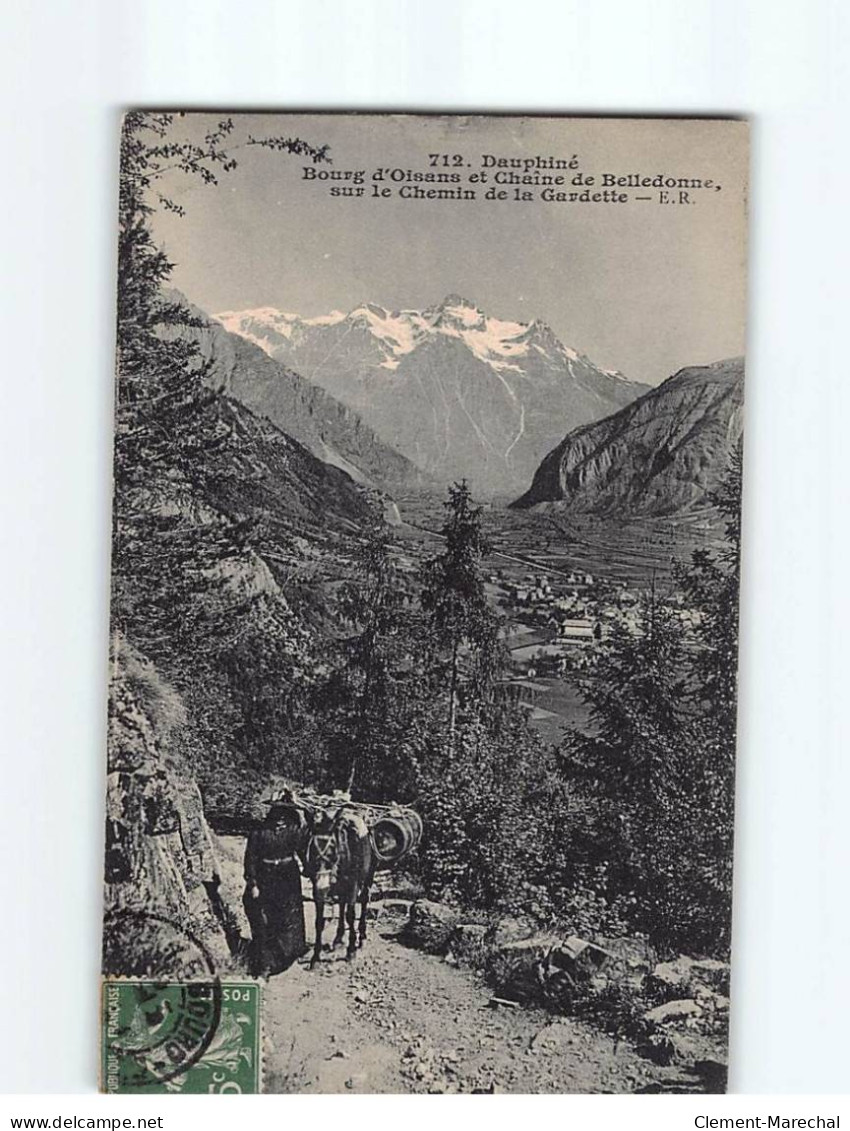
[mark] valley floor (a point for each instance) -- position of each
(551, 540)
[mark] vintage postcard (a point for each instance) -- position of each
(428, 450)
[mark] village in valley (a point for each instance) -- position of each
(560, 596)
(551, 623)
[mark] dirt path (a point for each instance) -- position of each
(398, 1020)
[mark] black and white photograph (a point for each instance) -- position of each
(424, 603)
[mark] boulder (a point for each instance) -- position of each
(562, 971)
(395, 906)
(468, 943)
(672, 1011)
(684, 977)
(712, 973)
(712, 1071)
(579, 971)
(582, 958)
(688, 1031)
(696, 1051)
(711, 1002)
(392, 517)
(509, 930)
(430, 926)
(672, 976)
(515, 969)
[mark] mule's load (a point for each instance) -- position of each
(395, 834)
(395, 830)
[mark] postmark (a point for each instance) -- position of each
(143, 944)
(186, 1037)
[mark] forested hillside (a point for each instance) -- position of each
(218, 515)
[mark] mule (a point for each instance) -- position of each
(340, 862)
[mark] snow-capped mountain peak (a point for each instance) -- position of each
(266, 325)
(456, 312)
(498, 342)
(458, 391)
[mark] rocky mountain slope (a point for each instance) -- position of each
(277, 477)
(217, 580)
(459, 393)
(303, 410)
(663, 454)
(160, 857)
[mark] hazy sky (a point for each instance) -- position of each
(642, 287)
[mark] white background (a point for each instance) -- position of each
(66, 70)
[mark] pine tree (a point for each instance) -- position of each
(464, 630)
(657, 766)
(366, 697)
(711, 584)
(635, 689)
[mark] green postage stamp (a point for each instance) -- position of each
(180, 1037)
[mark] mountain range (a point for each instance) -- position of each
(663, 454)
(330, 430)
(457, 392)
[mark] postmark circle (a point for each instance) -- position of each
(164, 1006)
